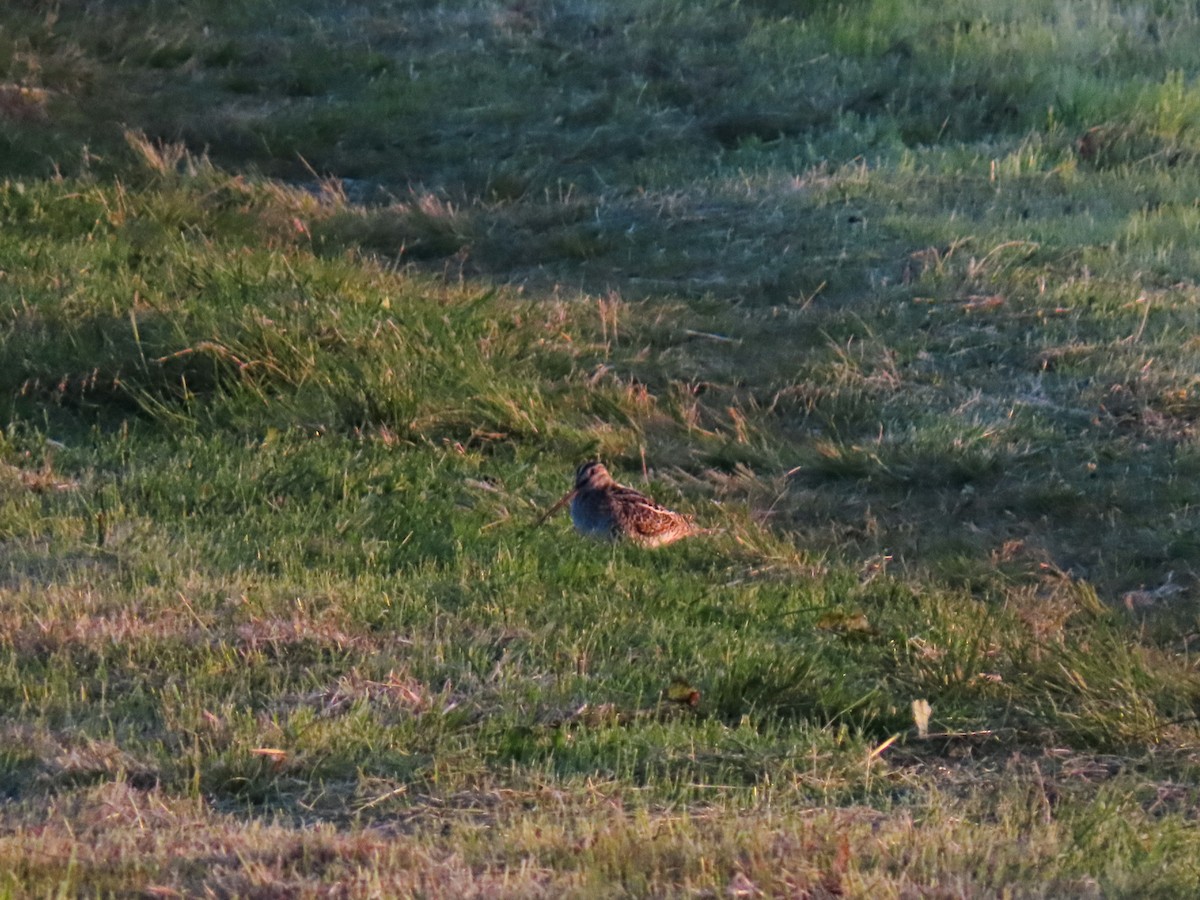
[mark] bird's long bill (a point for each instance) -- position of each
(563, 501)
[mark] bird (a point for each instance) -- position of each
(603, 509)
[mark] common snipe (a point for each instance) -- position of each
(601, 508)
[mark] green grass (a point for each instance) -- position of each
(307, 312)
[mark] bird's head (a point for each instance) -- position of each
(591, 474)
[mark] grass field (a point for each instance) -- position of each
(308, 310)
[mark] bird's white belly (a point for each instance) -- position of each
(592, 522)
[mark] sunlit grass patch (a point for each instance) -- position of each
(308, 314)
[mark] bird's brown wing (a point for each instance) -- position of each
(639, 515)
